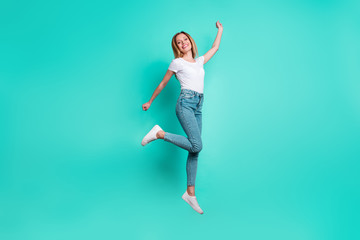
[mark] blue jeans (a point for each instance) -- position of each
(188, 111)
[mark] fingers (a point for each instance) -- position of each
(218, 24)
(145, 106)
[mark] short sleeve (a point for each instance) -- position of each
(174, 66)
(201, 59)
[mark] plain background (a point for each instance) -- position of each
(281, 120)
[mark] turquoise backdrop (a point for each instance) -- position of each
(281, 120)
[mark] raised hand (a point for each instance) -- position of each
(219, 25)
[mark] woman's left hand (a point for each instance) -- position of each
(219, 25)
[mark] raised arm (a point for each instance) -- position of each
(215, 46)
(159, 88)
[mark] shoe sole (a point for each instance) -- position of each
(142, 142)
(185, 199)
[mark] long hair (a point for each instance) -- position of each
(176, 50)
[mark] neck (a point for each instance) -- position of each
(187, 55)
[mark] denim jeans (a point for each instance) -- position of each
(188, 111)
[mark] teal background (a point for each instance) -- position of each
(281, 120)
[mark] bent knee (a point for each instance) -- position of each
(196, 148)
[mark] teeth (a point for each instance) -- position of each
(185, 46)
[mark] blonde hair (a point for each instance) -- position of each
(176, 50)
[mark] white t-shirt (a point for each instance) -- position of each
(190, 75)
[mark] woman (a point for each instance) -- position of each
(190, 73)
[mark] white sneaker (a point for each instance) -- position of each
(191, 200)
(151, 136)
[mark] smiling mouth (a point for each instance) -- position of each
(185, 46)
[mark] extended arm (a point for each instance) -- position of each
(159, 88)
(215, 46)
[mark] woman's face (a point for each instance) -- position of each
(183, 42)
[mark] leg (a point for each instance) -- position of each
(189, 123)
(192, 160)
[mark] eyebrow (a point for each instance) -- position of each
(179, 39)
